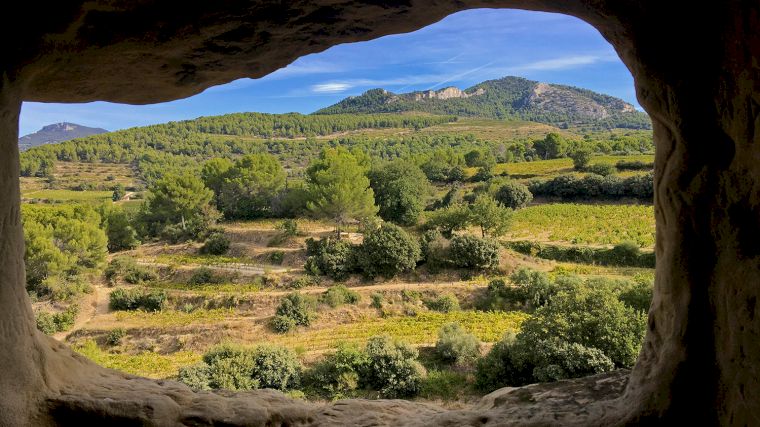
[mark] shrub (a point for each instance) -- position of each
(472, 252)
(301, 282)
(238, 368)
(332, 257)
(289, 228)
(637, 296)
(392, 368)
(388, 251)
(633, 165)
(50, 323)
(445, 385)
(283, 324)
(628, 255)
(298, 307)
(135, 299)
(204, 276)
(45, 323)
(339, 373)
(276, 257)
(377, 300)
(128, 269)
(338, 295)
(514, 195)
(602, 169)
(580, 157)
(216, 244)
(456, 345)
(115, 336)
(444, 303)
(569, 187)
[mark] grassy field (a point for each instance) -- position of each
(555, 167)
(146, 364)
(585, 224)
(70, 174)
(69, 195)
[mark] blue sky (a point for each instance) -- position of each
(461, 50)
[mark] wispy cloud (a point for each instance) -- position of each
(331, 87)
(562, 63)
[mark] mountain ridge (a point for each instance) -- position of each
(57, 132)
(506, 98)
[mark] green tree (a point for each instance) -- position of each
(250, 186)
(213, 175)
(491, 216)
(118, 192)
(400, 189)
(449, 219)
(339, 188)
(551, 147)
(513, 195)
(387, 251)
(121, 235)
(581, 157)
(179, 204)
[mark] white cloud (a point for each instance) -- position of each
(334, 87)
(562, 63)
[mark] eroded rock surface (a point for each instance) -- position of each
(696, 72)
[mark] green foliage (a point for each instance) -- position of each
(204, 276)
(581, 158)
(136, 299)
(551, 147)
(60, 242)
(339, 373)
(387, 251)
(569, 187)
(445, 303)
(115, 336)
(471, 252)
(126, 268)
(491, 216)
(118, 192)
(392, 368)
(298, 307)
(178, 208)
(118, 227)
(635, 165)
(338, 187)
(237, 368)
(456, 345)
(338, 295)
(215, 244)
(289, 228)
(330, 256)
(449, 219)
(400, 188)
(602, 169)
(377, 300)
(247, 188)
(445, 385)
(624, 255)
(513, 195)
(638, 296)
(283, 324)
(276, 257)
(50, 323)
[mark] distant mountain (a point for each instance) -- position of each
(505, 98)
(56, 132)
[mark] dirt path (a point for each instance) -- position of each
(89, 307)
(249, 269)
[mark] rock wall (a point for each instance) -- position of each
(696, 72)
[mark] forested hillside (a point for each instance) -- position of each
(507, 98)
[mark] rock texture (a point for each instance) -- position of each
(696, 72)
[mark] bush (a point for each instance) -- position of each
(602, 169)
(297, 307)
(388, 251)
(332, 257)
(135, 299)
(338, 374)
(444, 303)
(115, 336)
(456, 345)
(580, 157)
(392, 368)
(204, 276)
(289, 228)
(128, 269)
(569, 187)
(237, 368)
(301, 282)
(625, 255)
(633, 165)
(50, 323)
(445, 385)
(637, 296)
(377, 300)
(216, 244)
(283, 324)
(514, 195)
(472, 252)
(338, 295)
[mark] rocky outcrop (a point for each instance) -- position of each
(553, 99)
(696, 74)
(446, 93)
